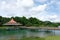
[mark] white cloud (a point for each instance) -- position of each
(27, 8)
(53, 16)
(25, 3)
(17, 4)
(39, 8)
(3, 2)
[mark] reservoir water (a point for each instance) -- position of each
(17, 34)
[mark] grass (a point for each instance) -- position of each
(53, 38)
(46, 38)
(37, 38)
(32, 38)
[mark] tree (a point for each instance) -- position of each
(0, 20)
(29, 22)
(34, 21)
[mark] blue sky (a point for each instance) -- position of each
(41, 9)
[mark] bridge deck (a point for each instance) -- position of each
(48, 28)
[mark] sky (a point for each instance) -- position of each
(45, 10)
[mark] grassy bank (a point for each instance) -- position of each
(33, 38)
(38, 38)
(53, 38)
(47, 38)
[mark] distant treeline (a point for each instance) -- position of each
(29, 22)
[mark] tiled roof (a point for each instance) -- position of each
(12, 22)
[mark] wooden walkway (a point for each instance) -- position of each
(47, 28)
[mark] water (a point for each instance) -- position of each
(17, 34)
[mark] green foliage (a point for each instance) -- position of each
(29, 22)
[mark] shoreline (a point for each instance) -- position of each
(23, 27)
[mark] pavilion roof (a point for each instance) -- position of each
(12, 22)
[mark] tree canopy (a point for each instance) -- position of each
(29, 21)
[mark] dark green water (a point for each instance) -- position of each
(7, 34)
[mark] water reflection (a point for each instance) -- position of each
(7, 34)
